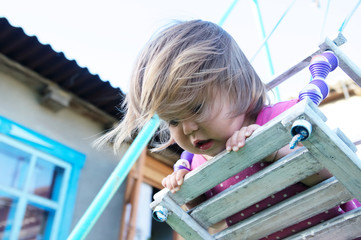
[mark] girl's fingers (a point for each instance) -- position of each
(238, 139)
(174, 180)
(168, 181)
(164, 182)
(250, 129)
(235, 140)
(180, 176)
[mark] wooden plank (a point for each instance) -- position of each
(134, 200)
(345, 139)
(134, 182)
(287, 171)
(334, 154)
(288, 119)
(339, 40)
(155, 171)
(291, 71)
(300, 207)
(182, 223)
(345, 226)
(270, 137)
(345, 63)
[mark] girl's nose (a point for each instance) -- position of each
(189, 127)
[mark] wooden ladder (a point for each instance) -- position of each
(324, 148)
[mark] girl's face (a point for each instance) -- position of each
(208, 137)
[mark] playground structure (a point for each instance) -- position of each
(322, 148)
(182, 221)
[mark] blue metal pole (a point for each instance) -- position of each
(114, 181)
(269, 58)
(347, 19)
(226, 15)
(265, 39)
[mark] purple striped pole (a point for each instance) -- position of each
(320, 66)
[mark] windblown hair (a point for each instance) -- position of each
(179, 72)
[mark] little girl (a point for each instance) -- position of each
(196, 78)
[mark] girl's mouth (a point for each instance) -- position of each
(204, 144)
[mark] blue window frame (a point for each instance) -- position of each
(38, 181)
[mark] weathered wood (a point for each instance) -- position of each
(155, 171)
(204, 178)
(324, 148)
(338, 41)
(270, 137)
(131, 198)
(182, 223)
(345, 226)
(345, 139)
(295, 209)
(287, 171)
(345, 63)
(334, 154)
(288, 119)
(292, 71)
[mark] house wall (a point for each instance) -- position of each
(19, 102)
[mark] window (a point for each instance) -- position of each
(38, 180)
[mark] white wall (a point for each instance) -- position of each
(20, 104)
(144, 215)
(143, 226)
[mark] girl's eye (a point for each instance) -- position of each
(173, 123)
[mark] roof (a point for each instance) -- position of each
(28, 51)
(54, 66)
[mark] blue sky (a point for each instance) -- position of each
(106, 36)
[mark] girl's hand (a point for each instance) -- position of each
(174, 180)
(238, 139)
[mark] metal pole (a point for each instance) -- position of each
(114, 181)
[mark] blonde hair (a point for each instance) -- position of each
(176, 75)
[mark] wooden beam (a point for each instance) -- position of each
(131, 197)
(155, 171)
(264, 141)
(181, 222)
(289, 170)
(325, 149)
(338, 41)
(345, 226)
(297, 208)
(335, 153)
(345, 63)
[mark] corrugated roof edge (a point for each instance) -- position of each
(55, 66)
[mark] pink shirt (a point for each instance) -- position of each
(267, 114)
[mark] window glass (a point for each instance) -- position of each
(44, 181)
(13, 164)
(35, 174)
(7, 214)
(34, 223)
